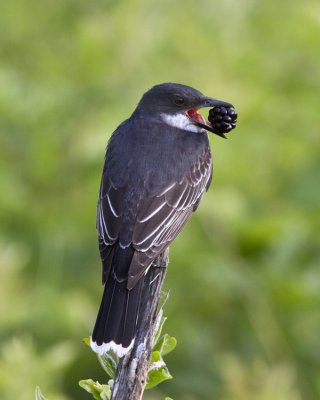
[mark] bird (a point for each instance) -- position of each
(157, 167)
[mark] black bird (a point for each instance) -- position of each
(157, 167)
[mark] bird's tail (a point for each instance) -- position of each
(115, 326)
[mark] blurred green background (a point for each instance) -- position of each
(244, 276)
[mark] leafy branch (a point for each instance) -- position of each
(157, 372)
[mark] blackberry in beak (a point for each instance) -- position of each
(222, 119)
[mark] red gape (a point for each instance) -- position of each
(193, 114)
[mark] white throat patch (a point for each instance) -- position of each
(181, 121)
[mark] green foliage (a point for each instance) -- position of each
(162, 345)
(157, 372)
(161, 319)
(165, 345)
(244, 274)
(20, 354)
(39, 395)
(109, 362)
(99, 392)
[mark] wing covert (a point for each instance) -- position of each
(162, 217)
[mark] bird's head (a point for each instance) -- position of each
(178, 106)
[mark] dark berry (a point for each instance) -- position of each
(222, 119)
(223, 111)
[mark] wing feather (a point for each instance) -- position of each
(155, 230)
(109, 211)
(159, 218)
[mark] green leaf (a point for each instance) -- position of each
(165, 345)
(158, 371)
(159, 330)
(109, 362)
(168, 398)
(98, 391)
(39, 395)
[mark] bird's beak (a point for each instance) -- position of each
(209, 102)
(199, 120)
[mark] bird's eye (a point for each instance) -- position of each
(179, 101)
